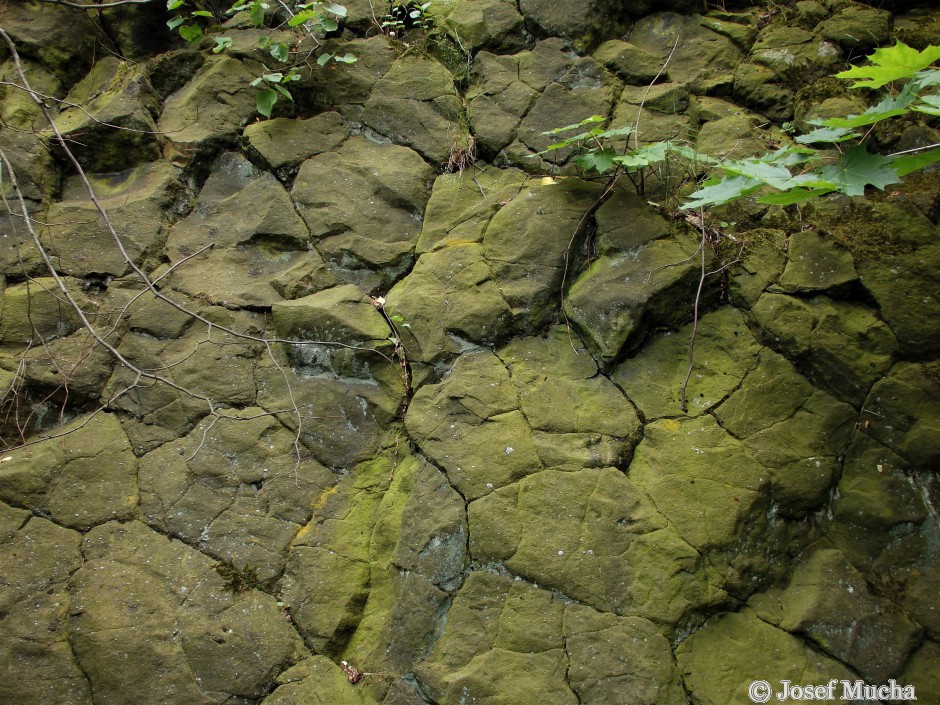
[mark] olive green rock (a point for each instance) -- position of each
(233, 488)
(135, 200)
(830, 602)
(367, 223)
(902, 412)
(87, 477)
(841, 345)
(316, 681)
(498, 97)
(702, 58)
(451, 303)
(630, 63)
(503, 642)
(113, 95)
(470, 425)
(594, 536)
(36, 561)
(921, 671)
(341, 419)
(283, 143)
(857, 26)
(725, 351)
(64, 42)
(619, 659)
(416, 105)
(461, 206)
(35, 311)
(907, 290)
(209, 110)
(528, 246)
(161, 610)
(623, 294)
(815, 264)
(239, 205)
(327, 577)
(720, 661)
(493, 24)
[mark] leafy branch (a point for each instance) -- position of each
(315, 19)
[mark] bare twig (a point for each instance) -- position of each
(698, 297)
(98, 6)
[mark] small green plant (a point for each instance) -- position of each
(314, 19)
(800, 171)
(408, 15)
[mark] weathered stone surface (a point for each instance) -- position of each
(113, 95)
(622, 294)
(233, 488)
(630, 63)
(327, 576)
(239, 205)
(724, 352)
(367, 222)
(35, 311)
(907, 289)
(703, 59)
(86, 477)
(731, 135)
(498, 98)
(720, 661)
(492, 24)
(62, 41)
(815, 264)
(316, 681)
(451, 302)
(220, 371)
(857, 26)
(159, 609)
(829, 601)
(794, 54)
(461, 208)
(506, 640)
(585, 88)
(77, 237)
(761, 264)
(342, 314)
(346, 87)
(282, 143)
(903, 411)
(625, 222)
(471, 426)
(841, 345)
(416, 105)
(416, 551)
(344, 418)
(36, 661)
(528, 247)
(209, 110)
(593, 536)
(921, 671)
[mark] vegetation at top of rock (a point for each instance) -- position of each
(312, 20)
(795, 172)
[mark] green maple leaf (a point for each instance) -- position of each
(601, 160)
(857, 169)
(890, 64)
(722, 191)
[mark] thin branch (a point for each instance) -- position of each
(698, 298)
(636, 126)
(100, 6)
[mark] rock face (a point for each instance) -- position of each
(290, 416)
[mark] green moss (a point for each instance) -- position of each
(237, 581)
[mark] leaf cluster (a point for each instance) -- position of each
(315, 18)
(833, 157)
